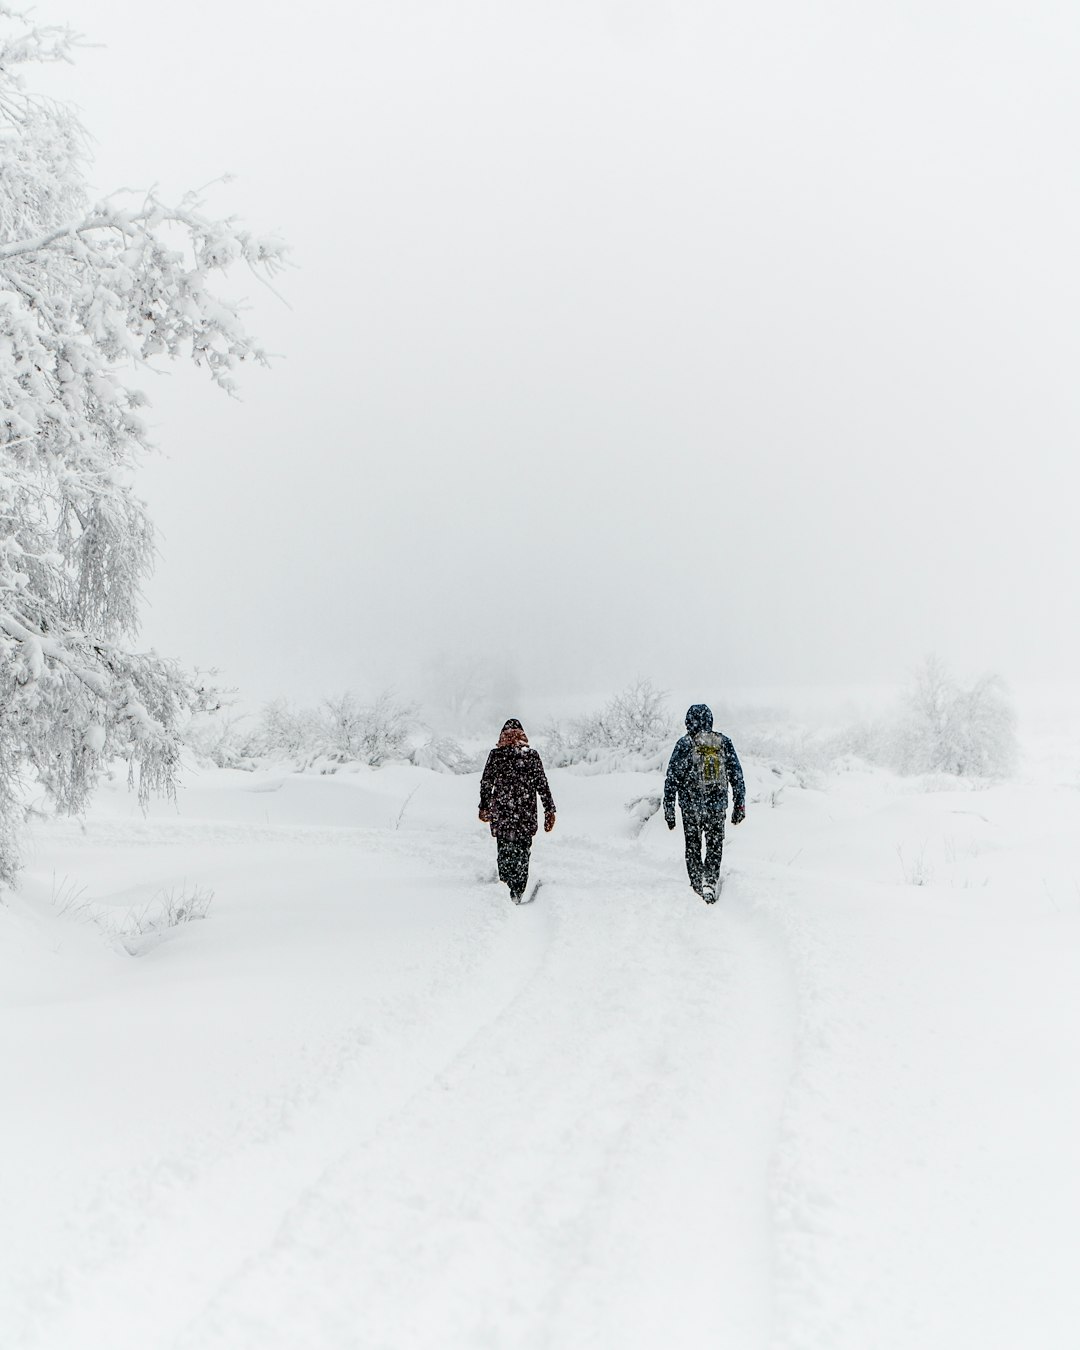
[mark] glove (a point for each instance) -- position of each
(485, 816)
(738, 815)
(670, 822)
(549, 821)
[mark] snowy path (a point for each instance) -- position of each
(370, 1105)
(588, 1169)
(515, 1127)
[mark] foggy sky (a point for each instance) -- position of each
(718, 343)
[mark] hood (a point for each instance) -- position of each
(512, 733)
(698, 718)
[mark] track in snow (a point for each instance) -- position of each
(590, 1169)
(554, 1128)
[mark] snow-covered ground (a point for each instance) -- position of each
(366, 1104)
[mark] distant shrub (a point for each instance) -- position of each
(216, 737)
(356, 733)
(938, 727)
(285, 733)
(634, 726)
(444, 755)
(342, 730)
(385, 729)
(947, 728)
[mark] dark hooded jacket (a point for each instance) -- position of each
(683, 779)
(513, 777)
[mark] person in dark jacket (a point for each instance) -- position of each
(512, 780)
(702, 765)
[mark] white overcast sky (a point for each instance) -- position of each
(727, 343)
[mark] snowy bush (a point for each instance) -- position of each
(342, 730)
(939, 727)
(642, 810)
(633, 726)
(90, 292)
(216, 736)
(636, 719)
(946, 728)
(283, 732)
(168, 909)
(140, 927)
(366, 734)
(444, 755)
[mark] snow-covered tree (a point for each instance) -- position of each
(367, 733)
(342, 729)
(637, 717)
(286, 733)
(947, 728)
(633, 722)
(216, 736)
(90, 293)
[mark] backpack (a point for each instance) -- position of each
(709, 761)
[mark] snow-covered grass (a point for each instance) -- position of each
(368, 1103)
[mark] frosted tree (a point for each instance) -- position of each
(366, 733)
(634, 721)
(947, 728)
(344, 727)
(637, 718)
(90, 294)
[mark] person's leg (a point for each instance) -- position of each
(520, 877)
(714, 851)
(514, 864)
(692, 834)
(505, 859)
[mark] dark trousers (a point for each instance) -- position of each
(707, 829)
(514, 863)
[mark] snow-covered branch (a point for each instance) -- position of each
(90, 294)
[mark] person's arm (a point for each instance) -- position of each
(738, 784)
(487, 787)
(671, 782)
(544, 793)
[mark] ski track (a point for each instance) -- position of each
(560, 1137)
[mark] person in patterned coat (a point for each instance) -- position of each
(512, 780)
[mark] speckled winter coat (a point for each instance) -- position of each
(513, 778)
(683, 779)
